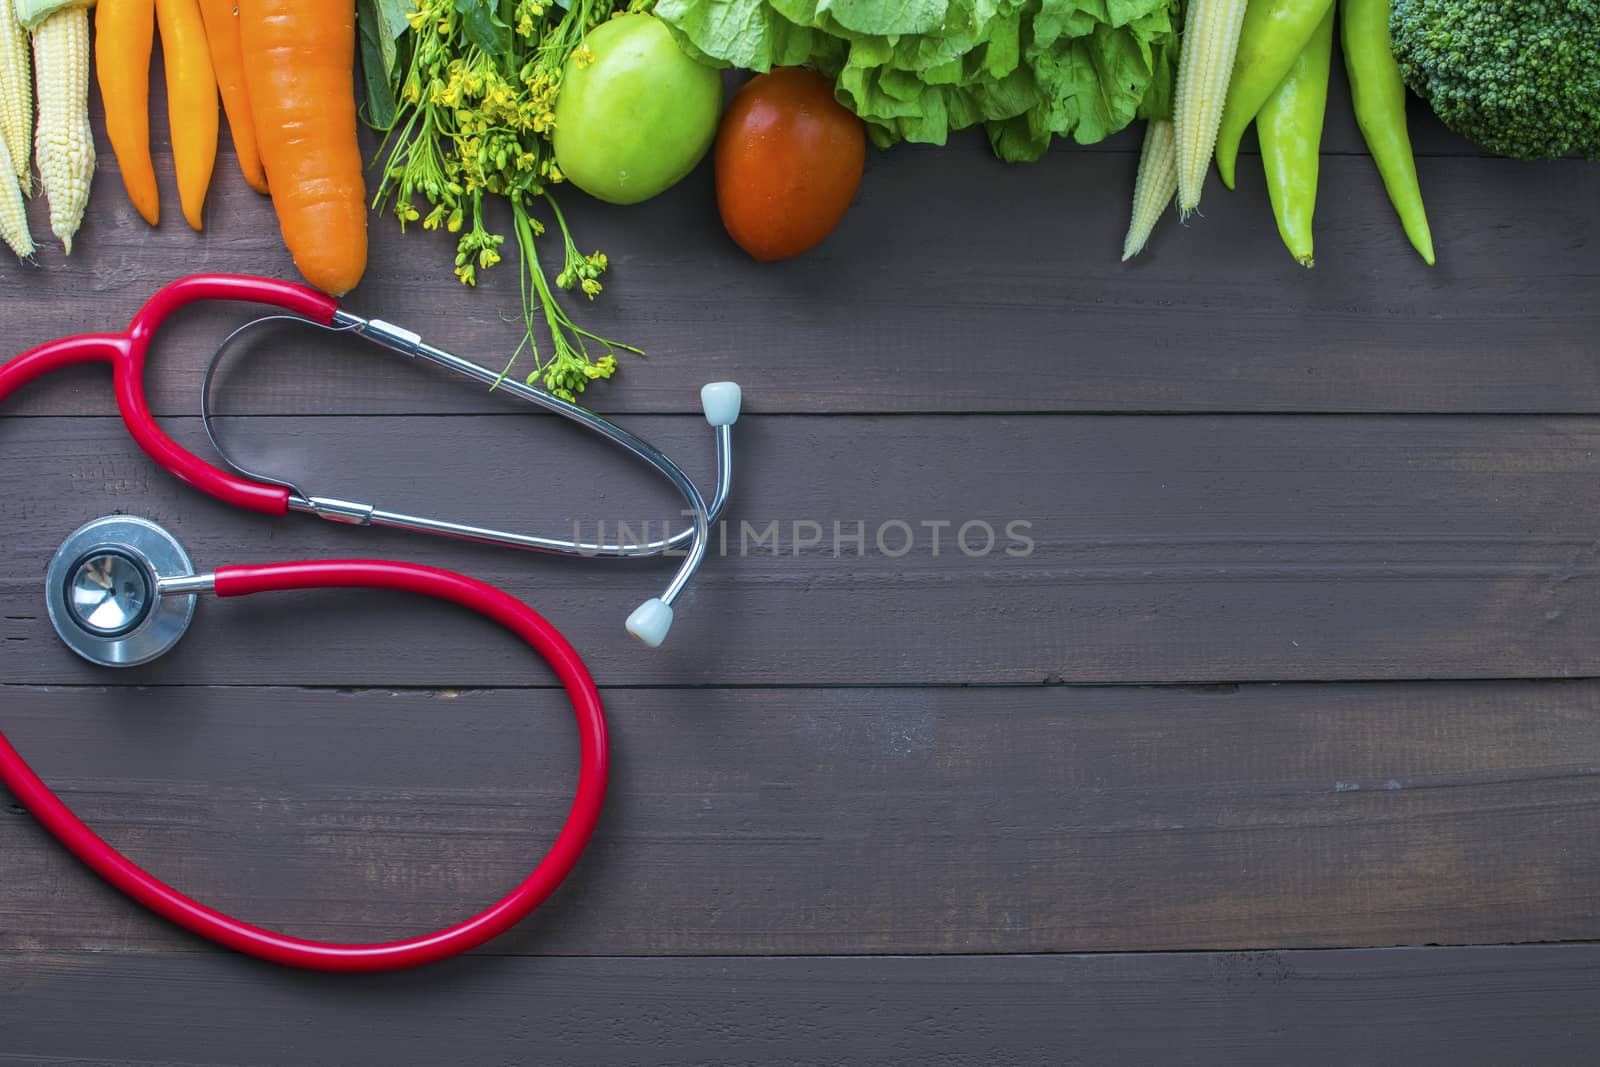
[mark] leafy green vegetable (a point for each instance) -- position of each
(389, 20)
(481, 28)
(915, 70)
(1158, 98)
(381, 23)
(473, 91)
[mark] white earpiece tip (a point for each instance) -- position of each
(650, 622)
(721, 401)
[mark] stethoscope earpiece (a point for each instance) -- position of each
(721, 402)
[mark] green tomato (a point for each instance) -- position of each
(635, 119)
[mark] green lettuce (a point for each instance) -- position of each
(914, 70)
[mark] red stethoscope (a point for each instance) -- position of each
(121, 591)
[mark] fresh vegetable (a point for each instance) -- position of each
(124, 33)
(191, 101)
(635, 113)
(227, 63)
(13, 215)
(789, 160)
(299, 62)
(16, 95)
(1155, 186)
(1025, 69)
(32, 13)
(63, 140)
(475, 102)
(1274, 34)
(1521, 79)
(1380, 104)
(1290, 126)
(1210, 40)
(380, 27)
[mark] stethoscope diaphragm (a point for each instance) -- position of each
(104, 591)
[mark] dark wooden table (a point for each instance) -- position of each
(1278, 742)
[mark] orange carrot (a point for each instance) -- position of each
(227, 60)
(124, 31)
(191, 101)
(299, 68)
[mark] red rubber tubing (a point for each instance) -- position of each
(242, 288)
(67, 352)
(505, 609)
(127, 351)
(129, 378)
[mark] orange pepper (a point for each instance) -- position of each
(124, 32)
(191, 101)
(227, 60)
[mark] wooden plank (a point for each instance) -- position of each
(1178, 549)
(1425, 1006)
(752, 822)
(956, 284)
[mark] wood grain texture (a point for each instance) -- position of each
(1485, 1006)
(809, 769)
(956, 284)
(751, 822)
(1174, 549)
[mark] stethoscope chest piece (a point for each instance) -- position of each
(104, 591)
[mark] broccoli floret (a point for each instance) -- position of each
(1519, 77)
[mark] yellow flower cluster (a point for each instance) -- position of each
(475, 122)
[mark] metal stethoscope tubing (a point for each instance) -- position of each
(651, 620)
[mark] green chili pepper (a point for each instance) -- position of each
(1290, 125)
(1274, 34)
(1380, 103)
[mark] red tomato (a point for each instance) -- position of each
(788, 159)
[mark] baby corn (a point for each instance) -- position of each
(13, 217)
(1205, 64)
(64, 141)
(1154, 188)
(16, 94)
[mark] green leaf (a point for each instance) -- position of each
(377, 63)
(876, 18)
(748, 34)
(1158, 98)
(384, 22)
(1028, 70)
(482, 29)
(392, 14)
